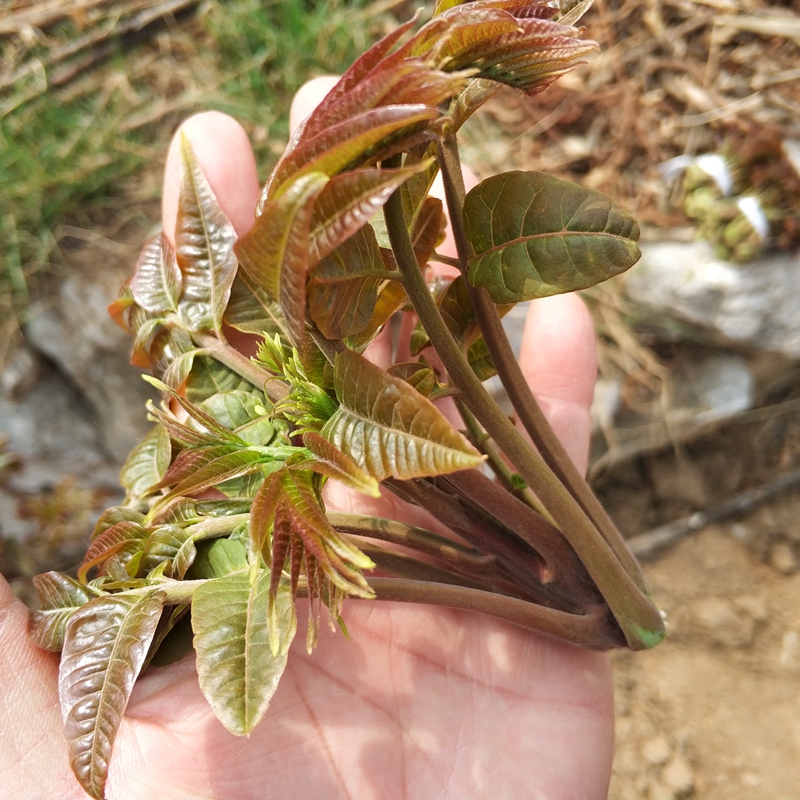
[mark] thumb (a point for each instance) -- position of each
(33, 753)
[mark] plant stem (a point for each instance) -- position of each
(517, 388)
(274, 388)
(593, 629)
(522, 564)
(489, 447)
(638, 618)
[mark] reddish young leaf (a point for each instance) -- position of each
(120, 309)
(251, 310)
(105, 646)
(349, 143)
(428, 230)
(350, 200)
(59, 597)
(389, 428)
(391, 298)
(343, 287)
(204, 238)
(335, 464)
(125, 538)
(275, 253)
(321, 118)
(157, 279)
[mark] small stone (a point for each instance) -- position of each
(751, 779)
(741, 533)
(790, 650)
(656, 751)
(723, 623)
(783, 558)
(678, 776)
(18, 373)
(752, 605)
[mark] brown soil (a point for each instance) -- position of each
(714, 712)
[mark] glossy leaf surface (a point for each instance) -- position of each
(250, 308)
(349, 143)
(348, 202)
(275, 253)
(389, 428)
(105, 646)
(147, 463)
(534, 235)
(156, 283)
(237, 669)
(59, 597)
(204, 239)
(334, 464)
(343, 287)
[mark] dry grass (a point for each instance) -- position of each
(90, 92)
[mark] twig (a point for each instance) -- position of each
(653, 542)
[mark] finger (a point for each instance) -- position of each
(223, 151)
(559, 360)
(308, 97)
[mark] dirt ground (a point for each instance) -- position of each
(714, 712)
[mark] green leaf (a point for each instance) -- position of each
(208, 377)
(156, 283)
(389, 428)
(236, 408)
(236, 666)
(105, 646)
(534, 235)
(343, 287)
(147, 463)
(204, 239)
(480, 360)
(164, 544)
(335, 464)
(219, 558)
(59, 597)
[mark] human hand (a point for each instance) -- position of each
(421, 702)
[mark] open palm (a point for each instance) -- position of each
(420, 703)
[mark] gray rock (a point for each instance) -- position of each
(755, 304)
(75, 331)
(710, 387)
